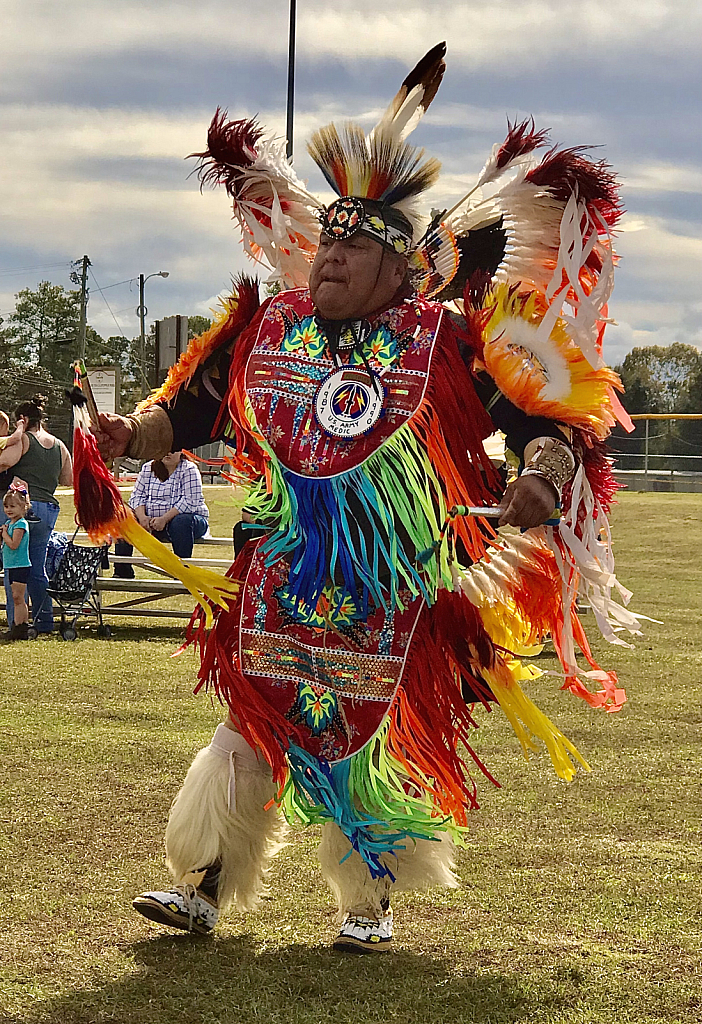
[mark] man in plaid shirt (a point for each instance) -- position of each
(167, 500)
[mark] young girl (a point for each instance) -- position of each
(15, 556)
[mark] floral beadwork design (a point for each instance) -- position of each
(316, 707)
(331, 609)
(303, 337)
(383, 347)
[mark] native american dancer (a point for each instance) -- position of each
(373, 614)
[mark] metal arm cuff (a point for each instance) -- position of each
(551, 459)
(152, 434)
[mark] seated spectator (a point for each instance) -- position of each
(167, 500)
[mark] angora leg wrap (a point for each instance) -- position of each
(219, 816)
(420, 865)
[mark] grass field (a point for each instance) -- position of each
(578, 903)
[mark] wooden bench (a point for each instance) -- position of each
(147, 591)
(150, 591)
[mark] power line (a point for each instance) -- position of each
(130, 280)
(27, 270)
(690, 444)
(92, 274)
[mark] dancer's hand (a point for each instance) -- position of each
(113, 434)
(528, 501)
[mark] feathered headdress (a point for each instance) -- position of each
(380, 176)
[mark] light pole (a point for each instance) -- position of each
(291, 81)
(141, 313)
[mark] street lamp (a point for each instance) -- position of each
(141, 313)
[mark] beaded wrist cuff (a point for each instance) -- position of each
(551, 459)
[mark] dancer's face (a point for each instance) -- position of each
(353, 277)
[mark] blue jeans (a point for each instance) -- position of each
(42, 605)
(182, 532)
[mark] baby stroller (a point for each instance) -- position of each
(72, 586)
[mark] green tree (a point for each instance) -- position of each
(662, 379)
(18, 383)
(5, 345)
(43, 328)
(690, 431)
(657, 378)
(197, 325)
(38, 344)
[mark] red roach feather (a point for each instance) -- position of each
(564, 171)
(231, 146)
(475, 294)
(521, 139)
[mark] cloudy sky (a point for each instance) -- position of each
(101, 101)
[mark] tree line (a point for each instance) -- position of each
(39, 343)
(662, 379)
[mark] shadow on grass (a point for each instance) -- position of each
(209, 981)
(172, 631)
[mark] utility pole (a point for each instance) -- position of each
(291, 81)
(83, 307)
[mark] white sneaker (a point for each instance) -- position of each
(362, 934)
(184, 907)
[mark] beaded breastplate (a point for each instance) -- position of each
(323, 416)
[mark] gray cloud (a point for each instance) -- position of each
(101, 102)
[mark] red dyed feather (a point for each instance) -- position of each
(231, 146)
(475, 294)
(598, 469)
(521, 139)
(564, 171)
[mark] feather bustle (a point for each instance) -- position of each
(231, 146)
(564, 171)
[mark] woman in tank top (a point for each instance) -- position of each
(43, 464)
